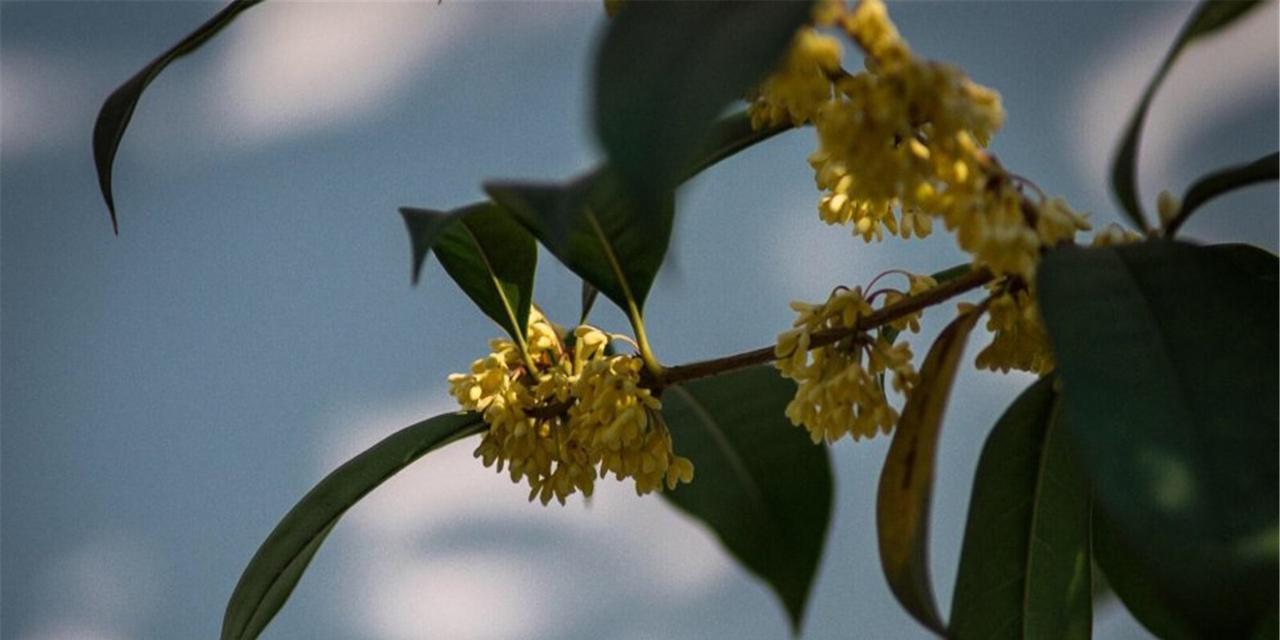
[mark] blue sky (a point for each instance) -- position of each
(169, 393)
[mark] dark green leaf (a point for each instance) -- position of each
(589, 294)
(1167, 353)
(283, 557)
(759, 482)
(610, 240)
(490, 255)
(906, 483)
(116, 111)
(730, 135)
(1130, 579)
(1220, 182)
(1209, 17)
(666, 70)
(596, 231)
(1024, 571)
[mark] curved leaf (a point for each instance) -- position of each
(611, 240)
(906, 483)
(113, 117)
(596, 231)
(1224, 181)
(1167, 355)
(1209, 17)
(666, 70)
(760, 484)
(1024, 570)
(589, 294)
(279, 563)
(485, 251)
(730, 135)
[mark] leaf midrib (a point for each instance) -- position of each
(735, 460)
(516, 328)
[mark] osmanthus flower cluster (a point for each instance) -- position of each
(903, 143)
(568, 414)
(841, 385)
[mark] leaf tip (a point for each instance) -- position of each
(409, 215)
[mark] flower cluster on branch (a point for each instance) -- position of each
(612, 424)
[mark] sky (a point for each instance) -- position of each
(166, 395)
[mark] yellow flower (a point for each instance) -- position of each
(793, 93)
(1019, 340)
(580, 415)
(840, 387)
(903, 142)
(621, 424)
(1114, 235)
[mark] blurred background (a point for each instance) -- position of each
(169, 393)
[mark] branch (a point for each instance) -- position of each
(907, 306)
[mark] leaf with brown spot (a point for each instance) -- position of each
(906, 483)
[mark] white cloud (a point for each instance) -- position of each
(1212, 80)
(300, 66)
(620, 548)
(99, 590)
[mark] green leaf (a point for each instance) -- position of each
(614, 243)
(906, 483)
(596, 231)
(1167, 352)
(485, 251)
(589, 294)
(1130, 581)
(1024, 570)
(759, 482)
(113, 117)
(283, 557)
(666, 70)
(730, 135)
(1224, 181)
(1209, 17)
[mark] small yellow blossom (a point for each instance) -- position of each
(903, 142)
(840, 388)
(621, 423)
(1019, 340)
(1114, 235)
(793, 93)
(582, 413)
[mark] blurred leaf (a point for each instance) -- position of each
(1024, 570)
(727, 137)
(113, 117)
(1224, 181)
(906, 483)
(666, 70)
(1167, 352)
(283, 557)
(589, 294)
(613, 243)
(485, 251)
(596, 231)
(1130, 581)
(759, 482)
(1209, 17)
